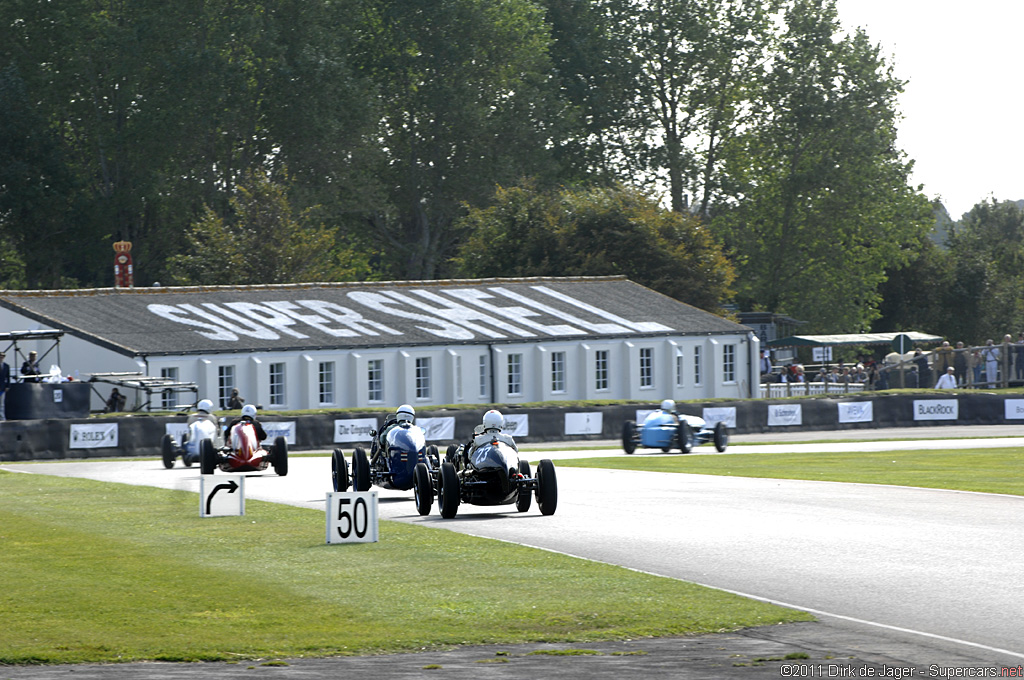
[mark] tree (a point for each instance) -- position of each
(263, 241)
(594, 232)
(824, 206)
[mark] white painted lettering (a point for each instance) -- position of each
(249, 327)
(641, 326)
(271, 317)
(384, 304)
(602, 328)
(465, 316)
(520, 315)
(317, 322)
(348, 317)
(213, 331)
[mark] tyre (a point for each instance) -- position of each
(360, 470)
(448, 491)
(685, 436)
(451, 452)
(167, 450)
(629, 436)
(424, 492)
(432, 455)
(280, 458)
(524, 499)
(721, 437)
(547, 487)
(207, 457)
(339, 471)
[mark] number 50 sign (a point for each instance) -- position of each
(352, 517)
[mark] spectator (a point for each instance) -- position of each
(960, 357)
(1018, 357)
(766, 367)
(991, 356)
(912, 378)
(30, 369)
(5, 382)
(881, 381)
(923, 372)
(977, 365)
(116, 401)
(235, 401)
(947, 381)
(943, 357)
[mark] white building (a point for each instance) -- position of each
(307, 346)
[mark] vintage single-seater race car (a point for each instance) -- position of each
(391, 464)
(491, 473)
(666, 430)
(200, 426)
(243, 453)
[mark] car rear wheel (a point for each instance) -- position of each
(339, 471)
(685, 437)
(448, 492)
(629, 436)
(360, 470)
(424, 492)
(167, 450)
(547, 487)
(721, 437)
(207, 457)
(524, 499)
(280, 458)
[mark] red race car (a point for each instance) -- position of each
(243, 453)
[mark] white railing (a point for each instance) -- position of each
(779, 390)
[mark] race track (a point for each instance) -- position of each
(940, 566)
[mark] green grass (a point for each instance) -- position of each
(100, 572)
(986, 470)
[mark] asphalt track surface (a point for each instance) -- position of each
(905, 582)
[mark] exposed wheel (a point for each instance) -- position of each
(448, 491)
(207, 457)
(280, 458)
(547, 487)
(339, 471)
(721, 437)
(524, 499)
(686, 438)
(360, 470)
(167, 450)
(629, 436)
(424, 492)
(432, 455)
(451, 452)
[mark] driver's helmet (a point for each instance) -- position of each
(248, 411)
(205, 405)
(406, 414)
(668, 405)
(493, 421)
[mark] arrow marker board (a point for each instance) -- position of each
(221, 495)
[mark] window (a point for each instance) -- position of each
(601, 369)
(277, 384)
(375, 380)
(680, 372)
(326, 382)
(423, 378)
(646, 367)
(729, 363)
(483, 376)
(558, 371)
(168, 398)
(515, 374)
(697, 376)
(225, 383)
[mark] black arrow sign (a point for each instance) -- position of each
(231, 486)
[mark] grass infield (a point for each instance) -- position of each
(103, 572)
(985, 470)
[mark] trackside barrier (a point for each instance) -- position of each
(141, 435)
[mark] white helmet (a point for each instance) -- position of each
(406, 414)
(205, 405)
(249, 410)
(668, 405)
(493, 420)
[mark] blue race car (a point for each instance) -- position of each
(665, 429)
(391, 463)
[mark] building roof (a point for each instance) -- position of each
(202, 320)
(852, 339)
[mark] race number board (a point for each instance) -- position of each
(221, 495)
(352, 517)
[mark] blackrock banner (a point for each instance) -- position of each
(856, 412)
(1014, 409)
(782, 415)
(93, 436)
(354, 430)
(936, 409)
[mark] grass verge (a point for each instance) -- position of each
(101, 572)
(985, 470)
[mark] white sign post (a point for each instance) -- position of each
(221, 495)
(352, 517)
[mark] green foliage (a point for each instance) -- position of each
(263, 241)
(596, 232)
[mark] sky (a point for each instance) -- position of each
(963, 105)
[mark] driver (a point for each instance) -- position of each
(248, 416)
(490, 430)
(200, 422)
(404, 414)
(669, 406)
